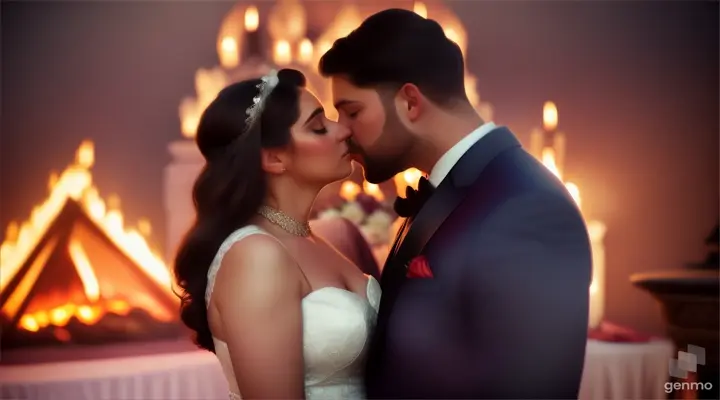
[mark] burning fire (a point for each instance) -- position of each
(75, 183)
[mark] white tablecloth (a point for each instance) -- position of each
(185, 375)
(626, 370)
(612, 371)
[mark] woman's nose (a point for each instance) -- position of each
(344, 133)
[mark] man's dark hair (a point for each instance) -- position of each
(394, 47)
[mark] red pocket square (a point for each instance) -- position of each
(419, 268)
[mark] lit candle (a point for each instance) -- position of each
(536, 142)
(252, 22)
(282, 54)
(252, 19)
(305, 52)
(559, 143)
(550, 117)
(548, 160)
(229, 55)
(349, 190)
(420, 9)
(596, 230)
(409, 177)
(575, 193)
(373, 190)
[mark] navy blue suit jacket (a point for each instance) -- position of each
(505, 315)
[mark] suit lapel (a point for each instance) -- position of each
(450, 193)
(385, 278)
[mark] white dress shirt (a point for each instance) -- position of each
(452, 156)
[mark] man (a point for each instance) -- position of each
(485, 292)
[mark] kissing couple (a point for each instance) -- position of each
(484, 294)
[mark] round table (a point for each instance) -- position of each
(626, 370)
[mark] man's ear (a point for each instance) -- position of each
(272, 161)
(411, 102)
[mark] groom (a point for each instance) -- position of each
(485, 292)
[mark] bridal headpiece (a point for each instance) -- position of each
(265, 87)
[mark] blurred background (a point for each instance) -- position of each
(635, 86)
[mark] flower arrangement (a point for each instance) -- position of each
(368, 210)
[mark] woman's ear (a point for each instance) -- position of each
(272, 161)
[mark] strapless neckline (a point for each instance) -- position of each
(369, 288)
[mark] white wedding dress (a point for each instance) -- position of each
(336, 328)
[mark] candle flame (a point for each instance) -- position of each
(548, 159)
(305, 55)
(420, 9)
(373, 190)
(252, 19)
(282, 53)
(349, 190)
(550, 116)
(229, 53)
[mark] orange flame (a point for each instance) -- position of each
(420, 9)
(550, 116)
(252, 19)
(349, 190)
(76, 183)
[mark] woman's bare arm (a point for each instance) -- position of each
(258, 294)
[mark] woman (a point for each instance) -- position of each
(287, 316)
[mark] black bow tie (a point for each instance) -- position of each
(414, 199)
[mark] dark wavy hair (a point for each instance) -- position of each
(232, 184)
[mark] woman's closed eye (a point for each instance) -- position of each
(318, 126)
(320, 131)
(316, 121)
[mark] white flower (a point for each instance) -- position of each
(380, 219)
(375, 235)
(353, 212)
(330, 213)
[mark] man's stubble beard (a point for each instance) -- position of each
(396, 140)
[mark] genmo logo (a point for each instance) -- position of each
(679, 368)
(685, 386)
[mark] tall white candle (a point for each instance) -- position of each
(596, 230)
(560, 144)
(536, 143)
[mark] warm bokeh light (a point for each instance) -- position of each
(420, 9)
(252, 19)
(305, 52)
(282, 55)
(373, 190)
(349, 190)
(550, 116)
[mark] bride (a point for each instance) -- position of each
(286, 315)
